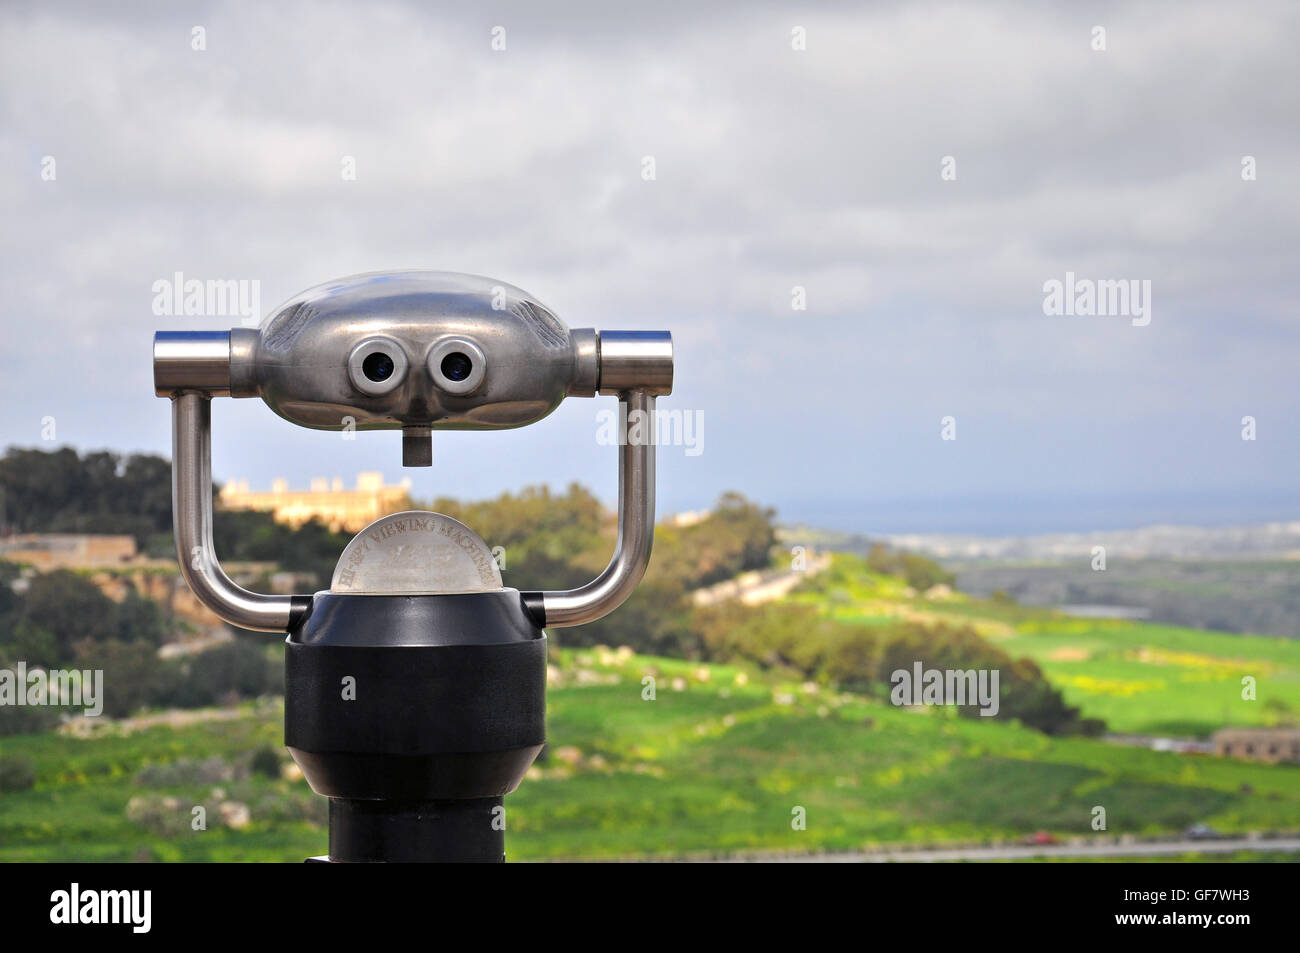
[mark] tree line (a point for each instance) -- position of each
(551, 540)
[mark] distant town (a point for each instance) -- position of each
(327, 501)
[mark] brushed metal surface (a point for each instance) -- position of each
(416, 553)
(192, 518)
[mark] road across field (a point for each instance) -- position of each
(1066, 851)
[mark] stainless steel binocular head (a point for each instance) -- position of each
(416, 352)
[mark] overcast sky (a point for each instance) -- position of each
(774, 167)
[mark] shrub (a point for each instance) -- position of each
(27, 719)
(238, 669)
(265, 762)
(16, 774)
(131, 671)
(160, 815)
(799, 639)
(187, 771)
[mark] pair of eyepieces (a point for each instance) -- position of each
(378, 366)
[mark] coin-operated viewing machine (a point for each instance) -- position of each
(415, 685)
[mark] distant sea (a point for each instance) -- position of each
(1036, 514)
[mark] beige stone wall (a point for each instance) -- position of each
(340, 509)
(1259, 744)
(68, 550)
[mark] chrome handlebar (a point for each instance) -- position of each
(518, 362)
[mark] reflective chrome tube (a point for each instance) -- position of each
(191, 360)
(636, 523)
(192, 518)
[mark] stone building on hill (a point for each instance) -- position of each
(1259, 744)
(342, 510)
(46, 551)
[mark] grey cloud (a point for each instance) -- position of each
(775, 169)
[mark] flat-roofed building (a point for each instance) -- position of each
(1258, 744)
(340, 509)
(47, 551)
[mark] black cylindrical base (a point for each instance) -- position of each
(415, 715)
(465, 831)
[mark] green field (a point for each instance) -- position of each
(1159, 679)
(1139, 677)
(717, 762)
(723, 758)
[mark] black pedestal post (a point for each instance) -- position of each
(368, 832)
(415, 715)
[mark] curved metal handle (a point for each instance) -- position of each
(192, 520)
(636, 523)
(192, 367)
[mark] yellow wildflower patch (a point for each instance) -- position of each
(1119, 687)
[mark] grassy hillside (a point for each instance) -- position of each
(722, 759)
(1162, 679)
(717, 761)
(1138, 677)
(1241, 594)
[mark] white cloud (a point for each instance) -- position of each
(775, 168)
